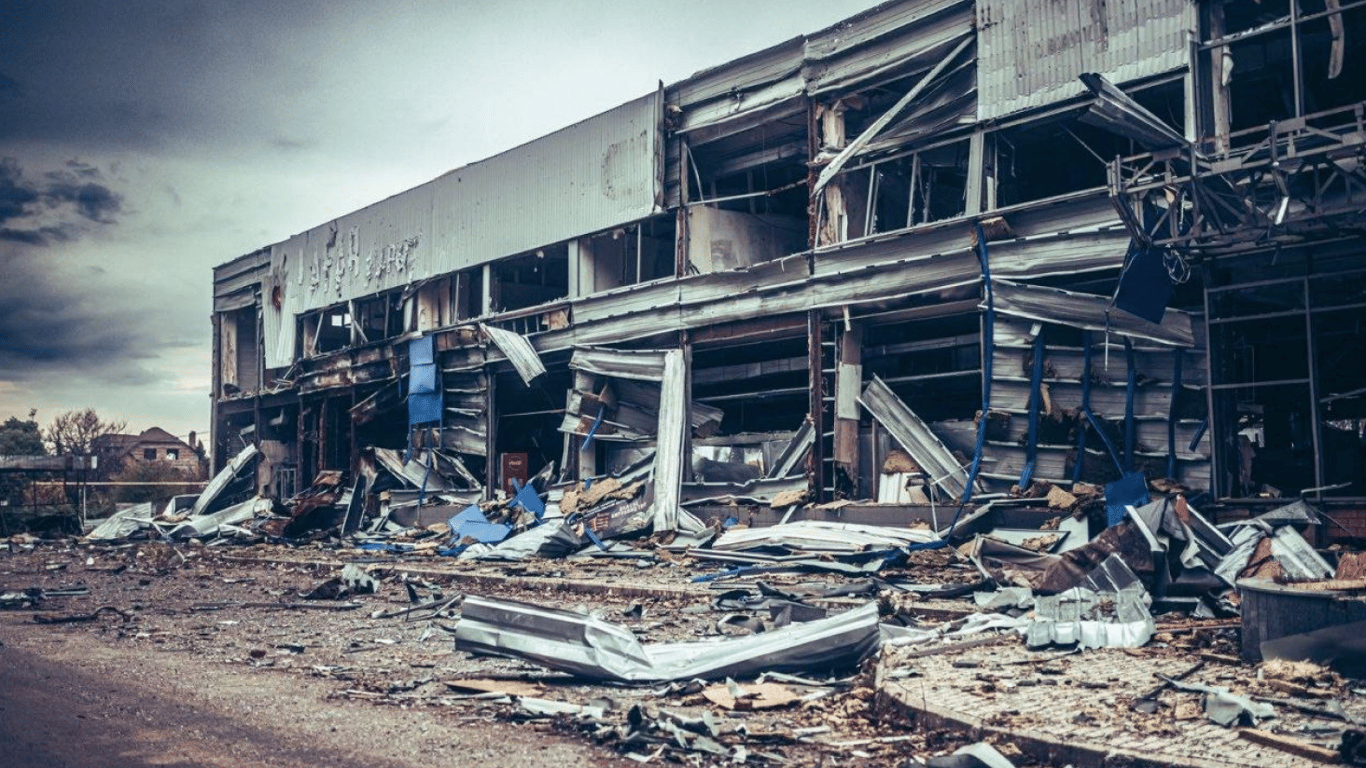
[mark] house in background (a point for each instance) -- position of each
(152, 445)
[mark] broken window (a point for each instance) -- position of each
(527, 423)
(759, 173)
(173, 454)
(625, 256)
(467, 288)
(1044, 158)
(379, 317)
(1288, 386)
(323, 331)
(530, 279)
(238, 351)
(149, 454)
(1281, 59)
(905, 190)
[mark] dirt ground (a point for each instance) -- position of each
(194, 657)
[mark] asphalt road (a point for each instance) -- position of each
(70, 701)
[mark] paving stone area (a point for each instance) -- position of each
(1083, 701)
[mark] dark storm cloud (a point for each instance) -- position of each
(16, 195)
(38, 213)
(53, 326)
(145, 74)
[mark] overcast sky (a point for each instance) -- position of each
(143, 142)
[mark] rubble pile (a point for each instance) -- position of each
(774, 630)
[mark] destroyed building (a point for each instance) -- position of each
(992, 235)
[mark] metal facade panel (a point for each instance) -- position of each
(1031, 52)
(596, 174)
(873, 45)
(1088, 311)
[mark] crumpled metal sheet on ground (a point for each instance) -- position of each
(223, 479)
(1297, 559)
(972, 624)
(589, 647)
(123, 523)
(1224, 707)
(820, 536)
(208, 525)
(1109, 610)
(552, 539)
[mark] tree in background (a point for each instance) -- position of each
(19, 438)
(150, 472)
(75, 432)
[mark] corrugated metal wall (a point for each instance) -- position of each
(1030, 52)
(593, 175)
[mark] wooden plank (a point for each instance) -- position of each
(1289, 744)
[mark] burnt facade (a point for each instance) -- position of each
(992, 234)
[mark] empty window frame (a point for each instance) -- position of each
(761, 386)
(1289, 395)
(1059, 154)
(1282, 59)
(627, 255)
(239, 351)
(529, 279)
(918, 187)
(379, 317)
(334, 329)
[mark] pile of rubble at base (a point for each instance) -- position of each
(1056, 568)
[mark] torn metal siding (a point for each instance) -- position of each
(670, 438)
(1089, 312)
(915, 437)
(951, 249)
(877, 42)
(243, 273)
(627, 364)
(1030, 52)
(518, 351)
(889, 41)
